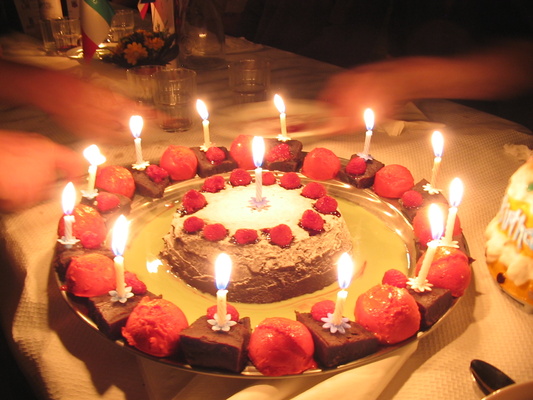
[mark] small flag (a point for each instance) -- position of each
(96, 18)
(143, 7)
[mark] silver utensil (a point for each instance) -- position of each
(488, 377)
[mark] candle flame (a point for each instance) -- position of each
(456, 192)
(68, 199)
(202, 109)
(344, 270)
(436, 221)
(120, 235)
(280, 105)
(93, 155)
(438, 143)
(258, 150)
(222, 271)
(369, 119)
(136, 125)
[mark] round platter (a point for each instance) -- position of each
(383, 239)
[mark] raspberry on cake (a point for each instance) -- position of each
(283, 156)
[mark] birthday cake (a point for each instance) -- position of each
(284, 249)
(284, 241)
(509, 246)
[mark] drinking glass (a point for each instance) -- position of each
(141, 88)
(66, 32)
(249, 80)
(122, 25)
(175, 98)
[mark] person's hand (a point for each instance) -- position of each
(84, 108)
(377, 86)
(30, 164)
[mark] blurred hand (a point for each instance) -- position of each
(377, 86)
(85, 109)
(30, 164)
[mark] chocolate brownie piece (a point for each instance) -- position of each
(145, 186)
(366, 179)
(275, 160)
(432, 304)
(427, 200)
(207, 168)
(333, 349)
(111, 316)
(63, 256)
(205, 348)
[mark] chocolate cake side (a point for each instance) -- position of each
(205, 348)
(333, 349)
(432, 304)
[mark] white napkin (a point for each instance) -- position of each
(409, 119)
(361, 383)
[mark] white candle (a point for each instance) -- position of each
(95, 158)
(68, 201)
(369, 122)
(136, 126)
(222, 276)
(202, 110)
(258, 152)
(118, 244)
(344, 277)
(438, 146)
(280, 105)
(456, 196)
(436, 222)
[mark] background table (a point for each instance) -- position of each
(65, 358)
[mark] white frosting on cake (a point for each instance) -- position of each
(308, 264)
(510, 234)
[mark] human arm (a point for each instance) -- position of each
(497, 73)
(85, 109)
(30, 165)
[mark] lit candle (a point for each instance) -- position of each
(222, 275)
(369, 122)
(136, 127)
(344, 277)
(202, 110)
(456, 196)
(438, 146)
(95, 158)
(436, 219)
(280, 105)
(118, 244)
(68, 201)
(258, 151)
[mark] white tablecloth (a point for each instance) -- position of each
(64, 358)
